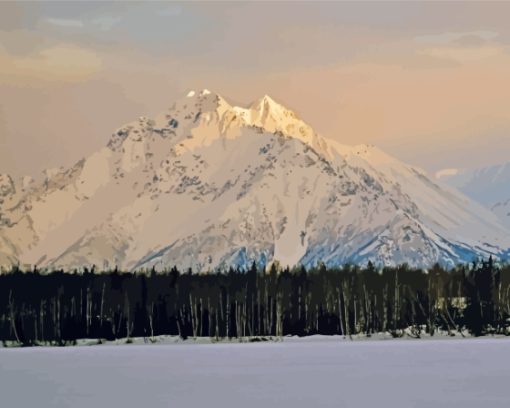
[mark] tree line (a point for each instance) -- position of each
(60, 307)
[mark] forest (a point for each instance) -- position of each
(58, 307)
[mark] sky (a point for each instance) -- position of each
(427, 82)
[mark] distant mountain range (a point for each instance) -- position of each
(208, 185)
(489, 186)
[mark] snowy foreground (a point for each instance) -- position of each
(311, 372)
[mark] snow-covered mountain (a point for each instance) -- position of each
(489, 186)
(207, 185)
(502, 210)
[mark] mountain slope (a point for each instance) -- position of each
(207, 185)
(487, 185)
(502, 210)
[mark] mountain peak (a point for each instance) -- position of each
(194, 93)
(235, 184)
(268, 104)
(268, 99)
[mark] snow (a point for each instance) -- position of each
(468, 373)
(26, 181)
(487, 185)
(502, 210)
(206, 184)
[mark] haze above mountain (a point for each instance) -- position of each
(208, 185)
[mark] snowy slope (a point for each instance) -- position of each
(502, 210)
(487, 185)
(207, 185)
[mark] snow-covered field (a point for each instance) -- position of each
(312, 373)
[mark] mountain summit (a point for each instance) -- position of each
(208, 185)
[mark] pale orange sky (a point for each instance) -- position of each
(427, 82)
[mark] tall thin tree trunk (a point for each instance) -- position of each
(12, 317)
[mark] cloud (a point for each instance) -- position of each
(63, 62)
(103, 22)
(106, 22)
(446, 173)
(463, 54)
(65, 22)
(452, 37)
(461, 47)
